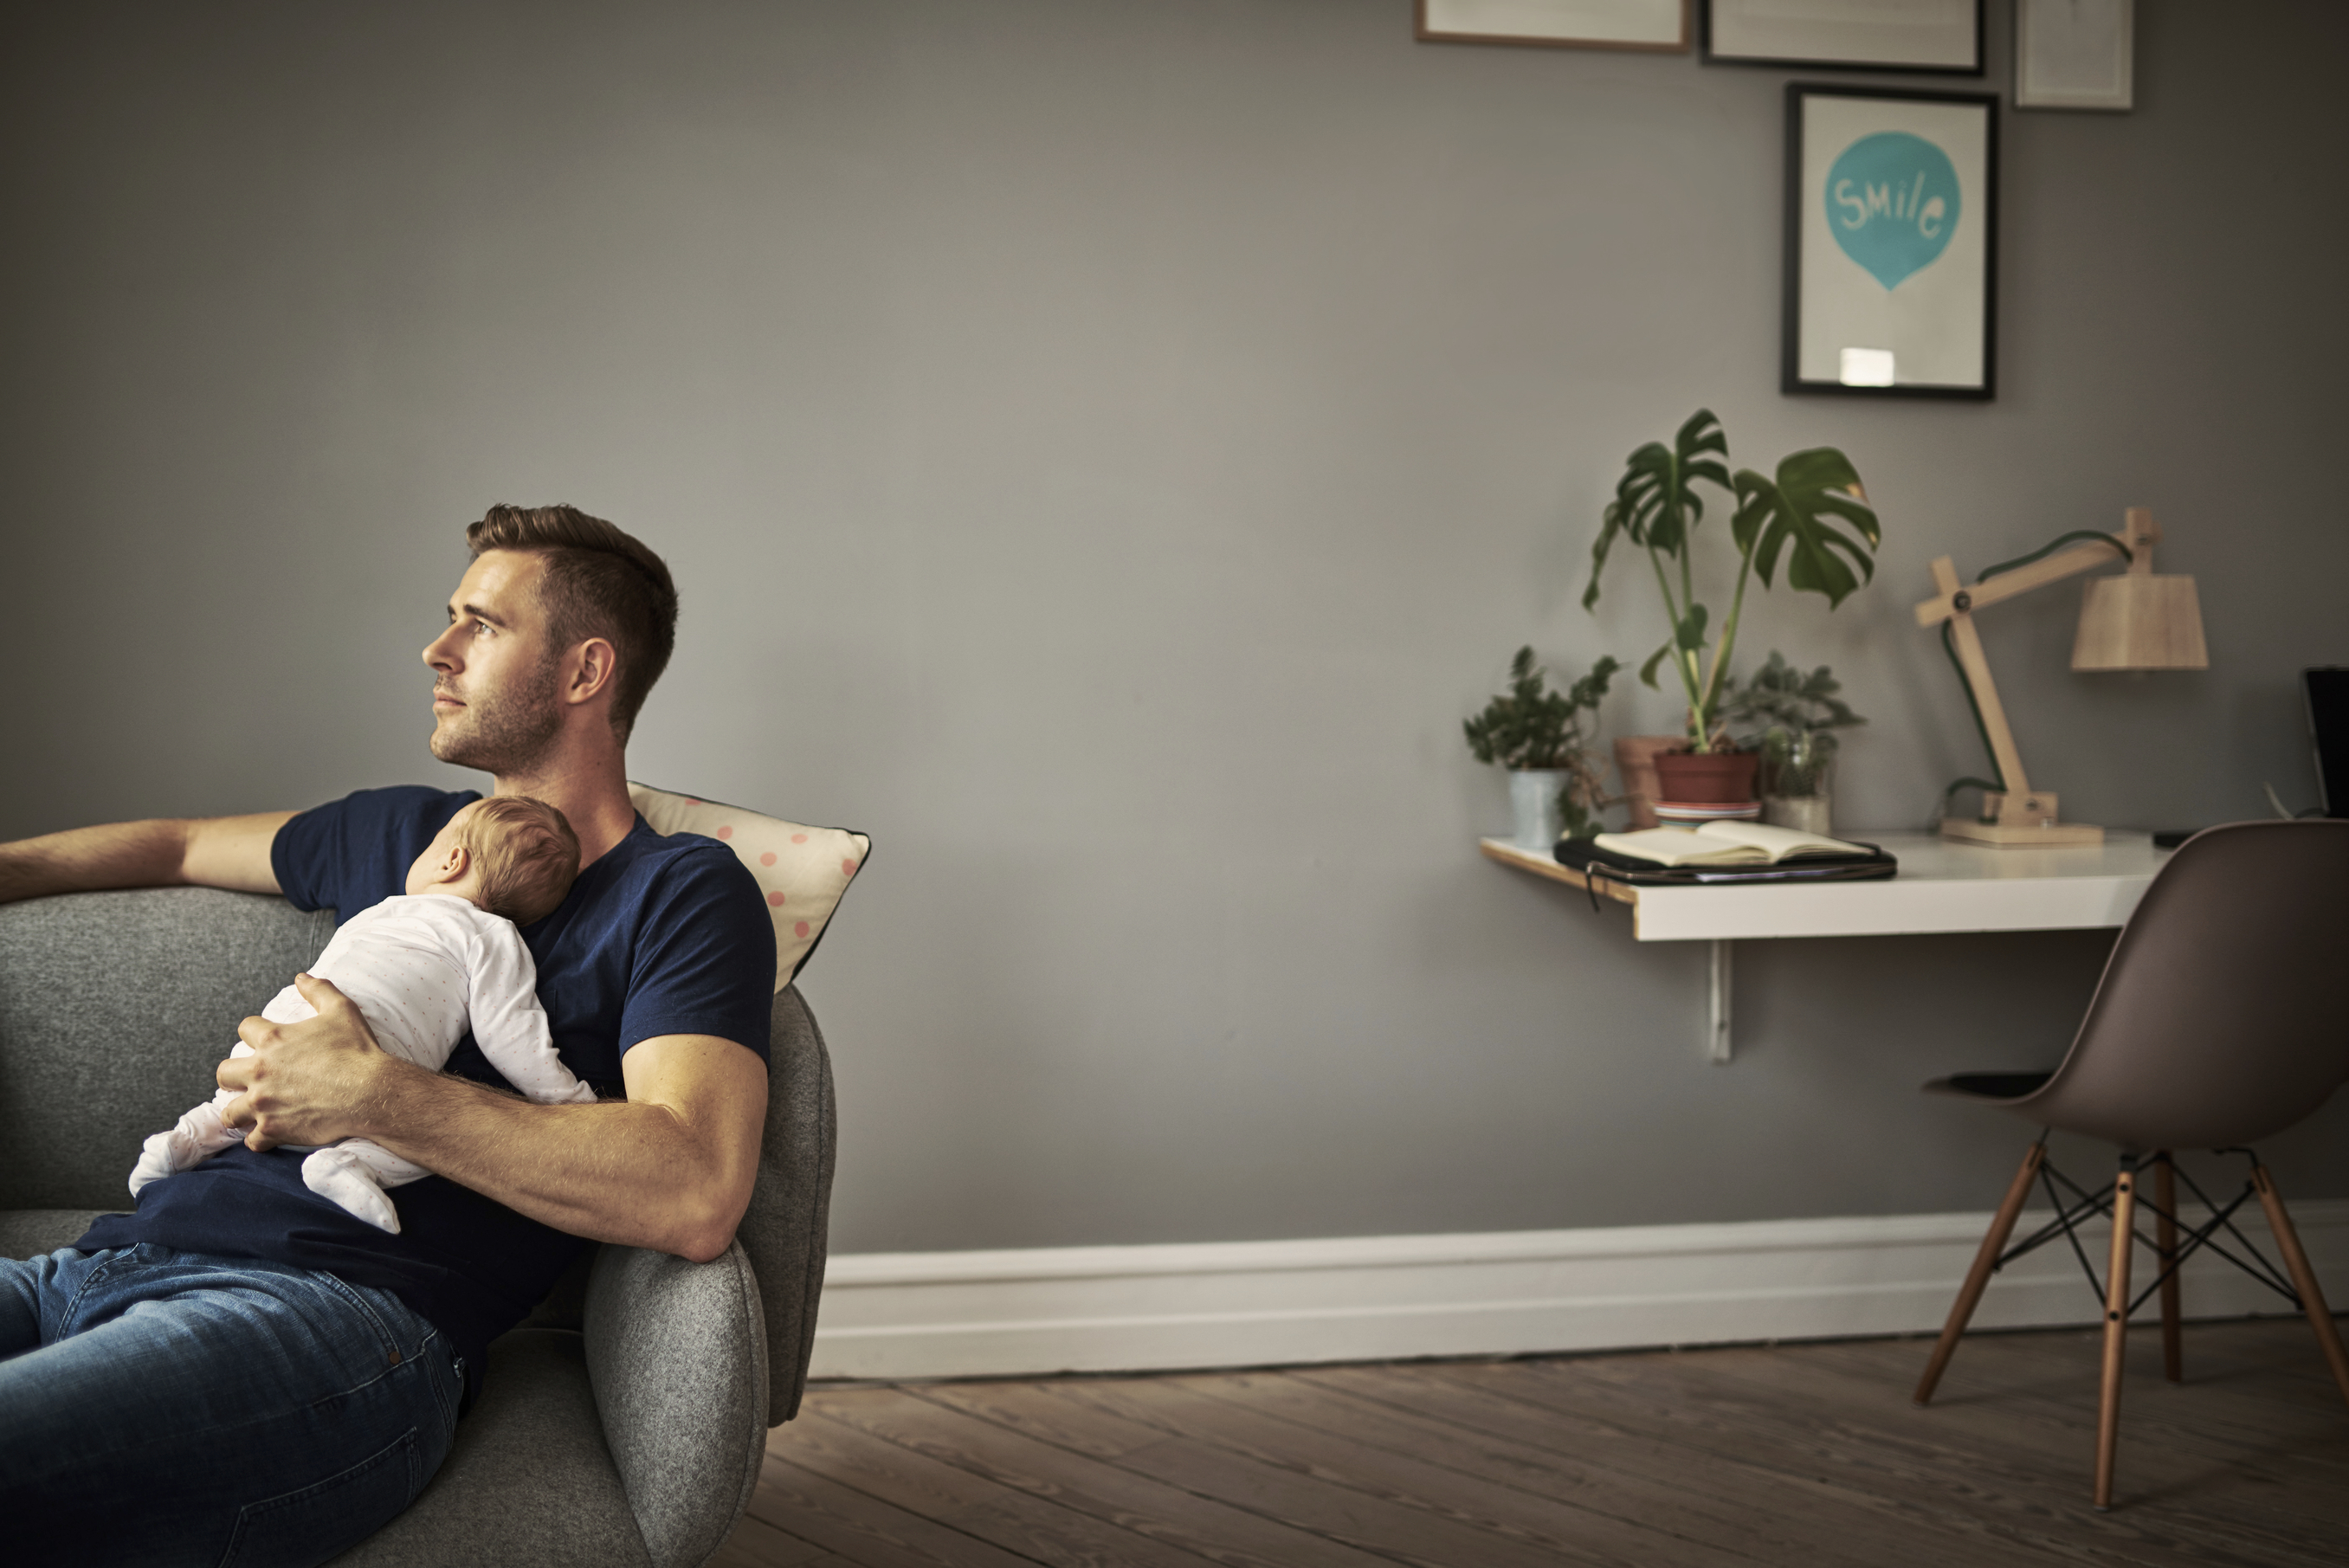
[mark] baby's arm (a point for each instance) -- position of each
(192, 1140)
(510, 1026)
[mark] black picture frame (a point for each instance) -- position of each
(1824, 293)
(1705, 51)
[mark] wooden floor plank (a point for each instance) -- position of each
(2175, 1437)
(1746, 1507)
(755, 1544)
(1459, 1518)
(833, 1442)
(930, 1422)
(2274, 1481)
(1710, 1452)
(1913, 1486)
(1637, 1507)
(865, 1529)
(1935, 1470)
(1808, 1455)
(2237, 1415)
(1299, 1488)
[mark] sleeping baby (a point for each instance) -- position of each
(421, 969)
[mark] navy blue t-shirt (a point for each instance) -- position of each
(660, 936)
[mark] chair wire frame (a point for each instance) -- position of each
(2083, 1205)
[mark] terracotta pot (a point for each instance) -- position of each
(1635, 764)
(1707, 775)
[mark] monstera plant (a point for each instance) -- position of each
(1810, 519)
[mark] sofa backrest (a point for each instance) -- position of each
(115, 1009)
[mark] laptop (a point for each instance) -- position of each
(2327, 690)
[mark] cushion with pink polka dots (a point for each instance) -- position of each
(802, 869)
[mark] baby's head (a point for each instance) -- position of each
(508, 855)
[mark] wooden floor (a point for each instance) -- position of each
(1796, 1454)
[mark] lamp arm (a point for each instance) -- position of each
(2055, 545)
(2011, 579)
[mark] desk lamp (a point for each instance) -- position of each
(2136, 621)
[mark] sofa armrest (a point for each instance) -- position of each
(677, 1353)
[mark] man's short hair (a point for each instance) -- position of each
(599, 582)
(526, 854)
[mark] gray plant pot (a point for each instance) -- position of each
(1533, 796)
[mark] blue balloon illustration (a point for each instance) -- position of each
(1892, 203)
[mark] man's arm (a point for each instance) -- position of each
(230, 852)
(670, 1168)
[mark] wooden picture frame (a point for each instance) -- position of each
(1942, 37)
(1661, 27)
(1891, 243)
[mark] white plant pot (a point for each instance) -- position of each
(1533, 796)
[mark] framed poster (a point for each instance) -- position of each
(1659, 24)
(1943, 36)
(1891, 242)
(2074, 54)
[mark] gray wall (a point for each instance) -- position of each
(1107, 447)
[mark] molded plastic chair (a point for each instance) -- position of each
(2218, 1022)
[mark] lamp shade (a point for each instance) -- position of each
(2141, 621)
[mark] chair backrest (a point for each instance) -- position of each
(2218, 1019)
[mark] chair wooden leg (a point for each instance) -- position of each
(1961, 1311)
(2165, 1193)
(2117, 1289)
(2303, 1278)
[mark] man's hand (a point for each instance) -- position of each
(309, 1082)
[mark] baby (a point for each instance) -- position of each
(419, 969)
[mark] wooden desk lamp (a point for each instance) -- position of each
(2136, 621)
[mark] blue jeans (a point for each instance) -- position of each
(159, 1407)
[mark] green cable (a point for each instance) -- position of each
(2046, 550)
(1949, 646)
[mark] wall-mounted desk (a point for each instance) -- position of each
(1942, 887)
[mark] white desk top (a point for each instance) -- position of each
(1942, 887)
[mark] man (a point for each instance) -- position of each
(241, 1368)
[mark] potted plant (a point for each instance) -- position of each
(1556, 790)
(1789, 516)
(1790, 717)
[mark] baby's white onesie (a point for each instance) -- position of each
(419, 969)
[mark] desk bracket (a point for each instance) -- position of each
(1717, 1038)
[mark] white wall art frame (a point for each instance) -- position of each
(2075, 54)
(1940, 35)
(1662, 26)
(1891, 242)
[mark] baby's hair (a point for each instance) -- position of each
(526, 853)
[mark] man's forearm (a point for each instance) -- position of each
(84, 860)
(640, 1175)
(211, 852)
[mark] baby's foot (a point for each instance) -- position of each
(337, 1174)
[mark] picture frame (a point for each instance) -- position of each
(1891, 243)
(1942, 36)
(1661, 27)
(2075, 54)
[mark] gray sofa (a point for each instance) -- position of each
(624, 1423)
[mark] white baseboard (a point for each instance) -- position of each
(1247, 1304)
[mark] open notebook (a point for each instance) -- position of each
(1726, 845)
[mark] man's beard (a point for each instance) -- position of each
(506, 733)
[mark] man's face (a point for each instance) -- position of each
(494, 671)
